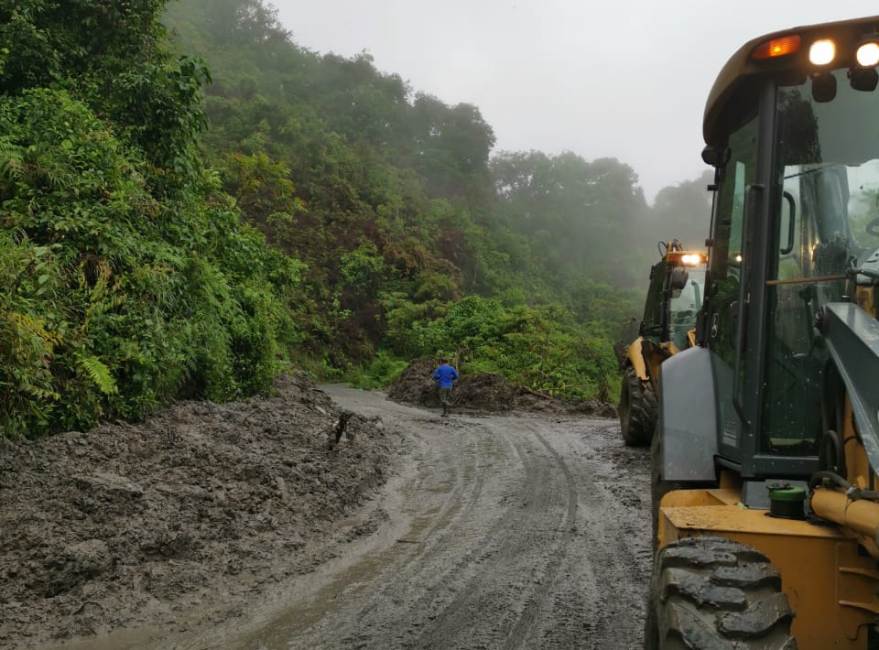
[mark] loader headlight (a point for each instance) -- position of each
(822, 52)
(868, 55)
(691, 259)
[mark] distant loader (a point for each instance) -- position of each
(674, 298)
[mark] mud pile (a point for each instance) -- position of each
(485, 392)
(480, 392)
(132, 523)
(415, 386)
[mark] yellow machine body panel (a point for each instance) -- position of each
(831, 585)
(645, 357)
(635, 357)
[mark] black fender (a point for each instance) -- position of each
(687, 423)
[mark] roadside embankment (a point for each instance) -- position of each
(131, 524)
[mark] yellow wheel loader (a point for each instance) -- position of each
(766, 451)
(673, 300)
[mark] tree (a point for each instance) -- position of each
(577, 213)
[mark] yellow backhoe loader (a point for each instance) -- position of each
(673, 300)
(766, 451)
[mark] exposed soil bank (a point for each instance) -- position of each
(485, 392)
(198, 508)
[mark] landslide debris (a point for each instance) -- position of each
(131, 523)
(485, 392)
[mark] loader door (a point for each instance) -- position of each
(726, 302)
(827, 184)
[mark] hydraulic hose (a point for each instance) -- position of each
(851, 492)
(819, 478)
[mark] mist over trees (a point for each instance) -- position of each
(577, 215)
(682, 211)
(187, 208)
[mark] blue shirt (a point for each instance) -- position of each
(445, 376)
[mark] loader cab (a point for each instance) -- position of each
(792, 127)
(677, 285)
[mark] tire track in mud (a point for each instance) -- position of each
(437, 533)
(524, 626)
(619, 543)
(496, 586)
(439, 568)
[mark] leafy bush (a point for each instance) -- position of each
(378, 373)
(543, 348)
(114, 301)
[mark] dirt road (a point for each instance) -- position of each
(502, 532)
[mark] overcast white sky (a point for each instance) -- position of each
(624, 78)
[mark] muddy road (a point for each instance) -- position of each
(501, 532)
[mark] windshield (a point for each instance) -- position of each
(684, 306)
(827, 213)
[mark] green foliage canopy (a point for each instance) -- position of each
(126, 277)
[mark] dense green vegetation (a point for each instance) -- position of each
(126, 276)
(404, 220)
(174, 226)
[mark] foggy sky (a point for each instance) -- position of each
(624, 78)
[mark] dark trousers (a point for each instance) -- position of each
(445, 395)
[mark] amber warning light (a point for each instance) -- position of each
(777, 47)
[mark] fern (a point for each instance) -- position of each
(11, 167)
(99, 373)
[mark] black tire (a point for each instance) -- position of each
(637, 409)
(713, 593)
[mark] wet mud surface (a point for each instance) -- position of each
(179, 522)
(505, 531)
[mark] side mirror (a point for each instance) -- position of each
(679, 277)
(864, 79)
(823, 88)
(715, 156)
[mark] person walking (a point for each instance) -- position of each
(445, 377)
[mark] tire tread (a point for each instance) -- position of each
(712, 593)
(638, 409)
